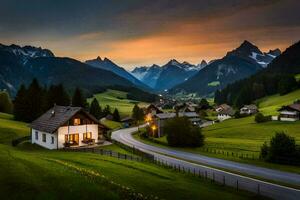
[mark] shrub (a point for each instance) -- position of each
(260, 118)
(181, 133)
(282, 149)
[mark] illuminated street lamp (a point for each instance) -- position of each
(153, 127)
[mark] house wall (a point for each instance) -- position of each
(80, 129)
(223, 117)
(289, 116)
(288, 119)
(48, 144)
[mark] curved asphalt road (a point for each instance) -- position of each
(268, 189)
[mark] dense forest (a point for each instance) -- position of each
(278, 77)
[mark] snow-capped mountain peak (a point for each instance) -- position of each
(26, 52)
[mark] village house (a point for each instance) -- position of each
(249, 109)
(290, 112)
(153, 110)
(160, 119)
(127, 121)
(222, 107)
(66, 126)
(225, 114)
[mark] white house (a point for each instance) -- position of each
(65, 126)
(249, 109)
(290, 112)
(225, 114)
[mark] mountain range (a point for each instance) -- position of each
(107, 64)
(167, 76)
(237, 64)
(19, 65)
(278, 77)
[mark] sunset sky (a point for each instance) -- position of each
(142, 32)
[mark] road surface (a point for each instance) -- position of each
(198, 164)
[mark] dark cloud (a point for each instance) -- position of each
(132, 17)
(83, 28)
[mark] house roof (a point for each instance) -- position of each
(223, 107)
(229, 112)
(250, 107)
(126, 119)
(152, 106)
(172, 115)
(295, 106)
(55, 117)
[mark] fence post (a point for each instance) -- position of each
(237, 184)
(194, 172)
(223, 180)
(213, 180)
(258, 189)
(205, 174)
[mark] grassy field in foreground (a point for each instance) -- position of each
(269, 105)
(31, 172)
(116, 99)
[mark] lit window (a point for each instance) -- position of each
(52, 140)
(44, 137)
(36, 135)
(76, 121)
(87, 135)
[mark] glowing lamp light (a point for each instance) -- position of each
(153, 127)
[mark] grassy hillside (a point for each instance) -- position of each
(30, 172)
(116, 99)
(245, 136)
(269, 105)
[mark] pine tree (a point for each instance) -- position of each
(116, 115)
(34, 99)
(106, 111)
(95, 109)
(20, 104)
(78, 99)
(57, 95)
(137, 113)
(6, 105)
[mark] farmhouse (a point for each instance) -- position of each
(159, 120)
(65, 126)
(222, 107)
(153, 110)
(225, 114)
(290, 112)
(249, 109)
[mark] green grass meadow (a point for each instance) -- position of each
(117, 99)
(269, 105)
(31, 172)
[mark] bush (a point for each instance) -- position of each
(282, 149)
(6, 105)
(260, 118)
(181, 133)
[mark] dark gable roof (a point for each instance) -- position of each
(50, 122)
(229, 112)
(295, 106)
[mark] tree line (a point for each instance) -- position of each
(278, 77)
(34, 100)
